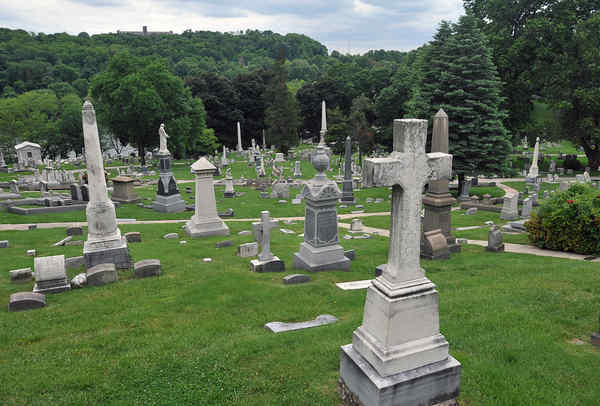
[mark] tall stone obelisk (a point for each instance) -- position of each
(438, 201)
(323, 123)
(239, 135)
(105, 244)
(533, 169)
(347, 192)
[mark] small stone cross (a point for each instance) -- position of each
(262, 234)
(407, 170)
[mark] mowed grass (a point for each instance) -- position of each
(519, 324)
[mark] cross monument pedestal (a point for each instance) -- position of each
(266, 262)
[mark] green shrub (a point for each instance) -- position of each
(568, 221)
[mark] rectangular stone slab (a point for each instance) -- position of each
(280, 327)
(50, 268)
(26, 301)
(354, 285)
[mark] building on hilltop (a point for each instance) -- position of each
(145, 32)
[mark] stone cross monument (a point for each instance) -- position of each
(168, 199)
(438, 201)
(533, 169)
(320, 250)
(205, 220)
(266, 262)
(398, 355)
(105, 244)
(239, 138)
(347, 192)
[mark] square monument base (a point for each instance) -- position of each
(315, 259)
(272, 265)
(206, 228)
(432, 384)
(118, 255)
(169, 204)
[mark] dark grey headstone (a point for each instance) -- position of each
(102, 274)
(21, 275)
(4, 244)
(295, 279)
(274, 265)
(26, 301)
(350, 254)
(226, 243)
(74, 231)
(133, 236)
(146, 268)
(74, 262)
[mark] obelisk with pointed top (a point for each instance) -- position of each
(239, 138)
(533, 169)
(398, 355)
(347, 192)
(438, 201)
(104, 243)
(323, 131)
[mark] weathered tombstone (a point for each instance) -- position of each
(26, 301)
(438, 201)
(464, 193)
(388, 363)
(146, 268)
(296, 279)
(43, 187)
(280, 327)
(320, 250)
(123, 190)
(13, 186)
(533, 169)
(21, 275)
(229, 190)
(510, 209)
(356, 225)
(4, 244)
(526, 209)
(470, 211)
(280, 190)
(298, 170)
(74, 231)
(205, 221)
(552, 168)
(546, 194)
(168, 199)
(50, 274)
(495, 243)
(85, 193)
(248, 250)
(266, 262)
(105, 242)
(76, 192)
(279, 157)
(347, 190)
(101, 274)
(586, 177)
(133, 236)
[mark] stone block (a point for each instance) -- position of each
(50, 274)
(248, 250)
(350, 254)
(74, 231)
(62, 242)
(471, 211)
(146, 268)
(21, 275)
(272, 265)
(26, 301)
(102, 274)
(4, 244)
(225, 243)
(74, 262)
(133, 236)
(280, 327)
(32, 226)
(296, 279)
(31, 253)
(171, 236)
(76, 243)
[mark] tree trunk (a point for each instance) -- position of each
(141, 153)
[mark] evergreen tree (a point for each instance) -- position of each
(281, 114)
(461, 78)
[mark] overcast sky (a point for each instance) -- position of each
(345, 25)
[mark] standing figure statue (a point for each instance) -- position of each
(163, 140)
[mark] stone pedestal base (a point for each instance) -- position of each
(431, 384)
(58, 287)
(111, 253)
(347, 192)
(205, 227)
(272, 265)
(228, 194)
(169, 204)
(434, 245)
(321, 259)
(495, 249)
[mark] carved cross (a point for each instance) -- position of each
(407, 170)
(262, 234)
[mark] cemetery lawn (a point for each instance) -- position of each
(519, 324)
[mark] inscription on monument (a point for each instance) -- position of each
(309, 226)
(327, 227)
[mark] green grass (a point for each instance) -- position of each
(195, 335)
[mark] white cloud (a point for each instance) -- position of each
(345, 25)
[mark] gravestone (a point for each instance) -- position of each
(21, 275)
(280, 327)
(464, 193)
(279, 157)
(495, 243)
(229, 190)
(104, 240)
(398, 355)
(280, 190)
(526, 208)
(26, 301)
(101, 274)
(266, 262)
(510, 209)
(123, 191)
(298, 170)
(85, 193)
(438, 201)
(356, 225)
(295, 279)
(247, 250)
(205, 221)
(4, 244)
(168, 199)
(320, 250)
(147, 268)
(133, 236)
(13, 186)
(74, 230)
(347, 190)
(50, 274)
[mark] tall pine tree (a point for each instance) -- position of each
(461, 78)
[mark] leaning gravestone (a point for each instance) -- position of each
(102, 274)
(21, 275)
(388, 363)
(26, 301)
(50, 275)
(266, 262)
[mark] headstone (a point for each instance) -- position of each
(26, 301)
(74, 231)
(225, 243)
(171, 236)
(4, 244)
(43, 187)
(296, 279)
(279, 157)
(266, 262)
(63, 241)
(123, 190)
(546, 194)
(280, 327)
(552, 167)
(579, 178)
(526, 208)
(320, 250)
(281, 190)
(510, 209)
(104, 241)
(133, 236)
(168, 199)
(586, 177)
(356, 225)
(85, 193)
(31, 253)
(21, 275)
(248, 250)
(205, 221)
(101, 274)
(495, 243)
(74, 262)
(298, 170)
(387, 360)
(146, 268)
(464, 193)
(13, 186)
(347, 191)
(50, 274)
